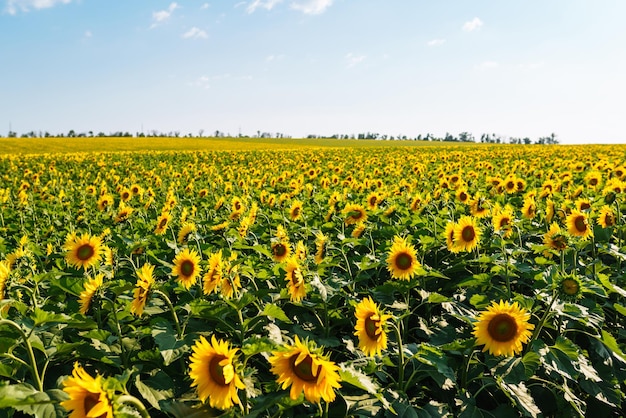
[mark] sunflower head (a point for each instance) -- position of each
(578, 225)
(502, 328)
(186, 267)
(466, 234)
(402, 259)
(303, 367)
(84, 251)
(87, 395)
(606, 217)
(281, 250)
(212, 370)
(295, 280)
(145, 280)
(570, 288)
(370, 327)
(354, 213)
(89, 291)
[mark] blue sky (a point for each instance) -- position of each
(299, 67)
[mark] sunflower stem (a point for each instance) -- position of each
(541, 323)
(29, 348)
(119, 331)
(400, 382)
(135, 403)
(167, 300)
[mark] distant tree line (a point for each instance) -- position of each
(462, 137)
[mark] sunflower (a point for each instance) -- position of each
(606, 217)
(306, 369)
(145, 277)
(466, 234)
(213, 277)
(300, 252)
(370, 327)
(84, 251)
(104, 201)
(593, 179)
(554, 238)
(570, 288)
(230, 278)
(5, 270)
(578, 225)
(354, 213)
(123, 212)
(88, 398)
(162, 222)
(550, 210)
(583, 204)
(186, 267)
(295, 280)
(449, 235)
(479, 207)
(402, 260)
(320, 247)
(529, 209)
(295, 211)
(358, 230)
(185, 230)
(90, 289)
(503, 221)
(212, 370)
(462, 195)
(280, 250)
(503, 328)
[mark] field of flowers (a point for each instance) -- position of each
(474, 281)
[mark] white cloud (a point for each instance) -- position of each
(532, 66)
(436, 42)
(487, 65)
(196, 33)
(353, 59)
(202, 82)
(204, 6)
(25, 5)
(472, 25)
(88, 34)
(267, 5)
(163, 15)
(312, 7)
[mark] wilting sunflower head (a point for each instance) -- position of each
(502, 328)
(90, 289)
(554, 238)
(306, 369)
(370, 327)
(570, 288)
(88, 397)
(212, 370)
(402, 259)
(213, 276)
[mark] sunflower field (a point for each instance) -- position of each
(467, 281)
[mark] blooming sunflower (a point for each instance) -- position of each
(306, 369)
(449, 235)
(295, 211)
(230, 277)
(529, 209)
(84, 251)
(213, 277)
(295, 280)
(606, 217)
(503, 221)
(554, 238)
(88, 398)
(162, 222)
(104, 201)
(578, 225)
(185, 230)
(354, 213)
(503, 328)
(281, 250)
(370, 327)
(186, 267)
(466, 234)
(90, 289)
(145, 276)
(402, 259)
(320, 247)
(213, 372)
(5, 270)
(570, 288)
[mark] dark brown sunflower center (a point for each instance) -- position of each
(593, 182)
(468, 234)
(510, 185)
(504, 222)
(237, 206)
(463, 196)
(570, 287)
(404, 261)
(580, 224)
(162, 223)
(609, 219)
(216, 370)
(90, 401)
(371, 326)
(502, 327)
(280, 250)
(295, 212)
(559, 242)
(187, 267)
(584, 206)
(125, 195)
(304, 369)
(85, 252)
(356, 214)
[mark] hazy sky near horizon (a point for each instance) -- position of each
(299, 67)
